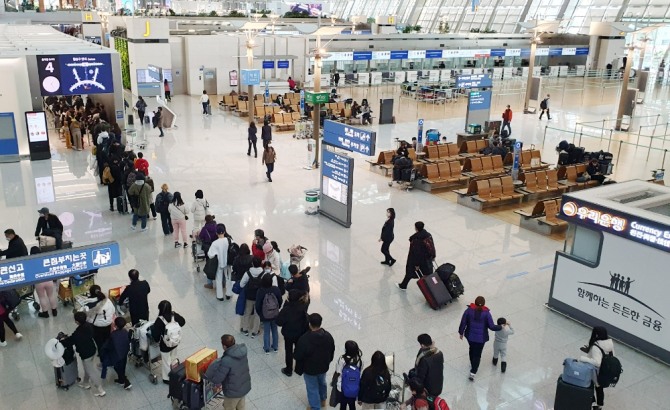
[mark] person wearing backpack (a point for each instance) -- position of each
(219, 249)
(100, 313)
(163, 201)
(544, 106)
(420, 257)
(375, 386)
(251, 281)
(242, 262)
(599, 349)
(167, 331)
(293, 322)
(113, 178)
(268, 303)
(348, 371)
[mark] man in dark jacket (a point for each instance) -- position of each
(421, 255)
(429, 366)
(293, 322)
(49, 225)
(115, 353)
(136, 294)
(313, 354)
(16, 247)
(82, 340)
(232, 372)
(299, 280)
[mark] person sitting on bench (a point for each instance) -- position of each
(367, 115)
(49, 225)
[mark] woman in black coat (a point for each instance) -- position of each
(387, 237)
(293, 322)
(115, 189)
(252, 138)
(266, 133)
(375, 384)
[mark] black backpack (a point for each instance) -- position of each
(543, 104)
(610, 369)
(381, 389)
(281, 283)
(233, 251)
(10, 299)
(253, 285)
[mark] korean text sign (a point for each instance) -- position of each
(18, 272)
(349, 138)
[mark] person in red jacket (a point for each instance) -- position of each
(257, 244)
(142, 164)
(507, 119)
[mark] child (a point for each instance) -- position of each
(418, 400)
(500, 343)
(115, 353)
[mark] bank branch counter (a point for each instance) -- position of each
(614, 269)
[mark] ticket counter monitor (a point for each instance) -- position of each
(613, 270)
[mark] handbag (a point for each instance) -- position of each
(211, 266)
(182, 212)
(335, 394)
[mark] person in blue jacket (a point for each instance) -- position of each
(475, 325)
(115, 353)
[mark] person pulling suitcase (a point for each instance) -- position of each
(420, 257)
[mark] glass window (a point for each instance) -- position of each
(584, 243)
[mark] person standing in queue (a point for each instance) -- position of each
(167, 331)
(136, 294)
(46, 293)
(387, 237)
(293, 322)
(49, 225)
(313, 354)
(219, 248)
(162, 203)
(231, 371)
(475, 325)
(252, 138)
(420, 257)
(82, 340)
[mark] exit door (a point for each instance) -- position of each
(209, 80)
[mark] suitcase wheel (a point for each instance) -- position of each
(16, 316)
(197, 269)
(153, 378)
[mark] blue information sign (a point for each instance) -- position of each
(582, 51)
(19, 272)
(282, 64)
(420, 136)
(555, 52)
(433, 53)
(362, 55)
(268, 64)
(479, 100)
(251, 77)
(474, 81)
(302, 101)
(336, 167)
(399, 55)
(515, 164)
(497, 52)
(349, 138)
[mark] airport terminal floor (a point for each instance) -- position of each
(356, 296)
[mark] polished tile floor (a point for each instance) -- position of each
(354, 293)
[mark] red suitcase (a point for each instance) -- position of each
(434, 290)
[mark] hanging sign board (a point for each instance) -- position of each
(349, 138)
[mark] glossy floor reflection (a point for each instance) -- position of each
(354, 293)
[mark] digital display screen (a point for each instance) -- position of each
(36, 123)
(74, 74)
(336, 174)
(479, 100)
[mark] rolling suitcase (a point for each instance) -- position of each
(571, 397)
(122, 204)
(177, 376)
(434, 291)
(67, 375)
(192, 395)
(209, 109)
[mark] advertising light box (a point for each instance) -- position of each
(36, 123)
(336, 176)
(479, 100)
(73, 74)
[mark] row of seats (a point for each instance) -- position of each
(242, 108)
(491, 190)
(485, 165)
(443, 172)
(285, 121)
(528, 160)
(335, 107)
(473, 147)
(568, 175)
(441, 152)
(545, 211)
(541, 181)
(260, 111)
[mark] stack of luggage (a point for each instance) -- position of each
(441, 287)
(574, 389)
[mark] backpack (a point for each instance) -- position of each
(253, 285)
(107, 177)
(161, 203)
(270, 308)
(281, 283)
(233, 251)
(543, 104)
(440, 403)
(172, 334)
(429, 245)
(610, 369)
(381, 389)
(132, 176)
(135, 199)
(454, 285)
(10, 299)
(351, 380)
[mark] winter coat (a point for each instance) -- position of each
(163, 201)
(99, 313)
(475, 325)
(142, 165)
(257, 248)
(314, 352)
(368, 384)
(15, 249)
(300, 283)
(116, 348)
(137, 296)
(82, 340)
(199, 209)
(274, 258)
(293, 318)
(387, 231)
(208, 233)
(252, 134)
(266, 133)
(259, 300)
(219, 249)
(343, 361)
(144, 191)
(178, 213)
(429, 367)
(255, 272)
(269, 156)
(115, 189)
(241, 265)
(158, 330)
(418, 253)
(232, 372)
(52, 222)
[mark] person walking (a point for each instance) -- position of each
(475, 325)
(251, 281)
(199, 209)
(544, 107)
(113, 178)
(293, 322)
(599, 345)
(162, 203)
(167, 331)
(507, 120)
(82, 340)
(115, 353)
(178, 216)
(375, 386)
(143, 192)
(387, 237)
(349, 367)
(166, 88)
(158, 121)
(141, 106)
(100, 313)
(48, 224)
(420, 257)
(428, 366)
(266, 133)
(313, 354)
(219, 249)
(136, 294)
(336, 78)
(204, 100)
(231, 371)
(16, 248)
(269, 158)
(252, 138)
(268, 303)
(6, 306)
(500, 343)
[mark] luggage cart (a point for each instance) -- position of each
(70, 288)
(297, 254)
(397, 396)
(212, 394)
(28, 294)
(122, 310)
(196, 249)
(150, 358)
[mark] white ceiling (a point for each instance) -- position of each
(20, 40)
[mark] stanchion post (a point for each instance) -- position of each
(580, 139)
(602, 130)
(651, 141)
(658, 116)
(618, 154)
(638, 135)
(610, 140)
(545, 135)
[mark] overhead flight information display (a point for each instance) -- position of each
(72, 74)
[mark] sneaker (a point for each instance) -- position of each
(84, 386)
(43, 314)
(227, 297)
(176, 244)
(267, 352)
(286, 372)
(220, 299)
(118, 381)
(144, 230)
(392, 262)
(185, 245)
(253, 335)
(3, 344)
(276, 350)
(100, 393)
(166, 382)
(471, 377)
(127, 385)
(400, 287)
(18, 336)
(384, 263)
(495, 361)
(245, 332)
(208, 286)
(133, 227)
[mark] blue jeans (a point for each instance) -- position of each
(142, 218)
(270, 326)
(317, 390)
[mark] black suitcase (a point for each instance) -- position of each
(122, 204)
(434, 291)
(192, 395)
(177, 376)
(571, 397)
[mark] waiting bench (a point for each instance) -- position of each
(473, 148)
(441, 175)
(483, 166)
(485, 193)
(529, 160)
(242, 108)
(442, 152)
(568, 174)
(383, 165)
(542, 182)
(542, 218)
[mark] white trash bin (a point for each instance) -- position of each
(312, 199)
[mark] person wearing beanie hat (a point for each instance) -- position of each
(219, 249)
(48, 224)
(272, 256)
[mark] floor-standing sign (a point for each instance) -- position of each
(420, 131)
(337, 170)
(267, 92)
(302, 102)
(9, 145)
(38, 135)
(515, 164)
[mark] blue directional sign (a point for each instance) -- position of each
(282, 64)
(362, 55)
(474, 81)
(582, 51)
(433, 53)
(497, 52)
(19, 272)
(515, 164)
(251, 77)
(553, 52)
(70, 74)
(268, 64)
(302, 101)
(349, 138)
(399, 55)
(479, 100)
(420, 136)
